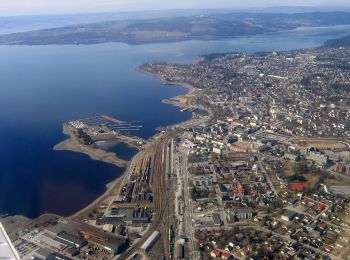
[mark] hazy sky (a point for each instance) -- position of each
(18, 7)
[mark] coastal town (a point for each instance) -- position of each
(260, 171)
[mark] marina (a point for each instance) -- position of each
(102, 124)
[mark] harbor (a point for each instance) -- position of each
(103, 124)
(89, 136)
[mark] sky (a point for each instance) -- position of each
(28, 7)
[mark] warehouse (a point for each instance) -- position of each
(48, 238)
(180, 251)
(113, 245)
(150, 241)
(289, 215)
(71, 239)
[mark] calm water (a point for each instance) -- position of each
(122, 150)
(43, 86)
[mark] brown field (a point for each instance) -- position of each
(312, 177)
(334, 182)
(323, 144)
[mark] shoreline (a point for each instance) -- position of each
(72, 144)
(184, 100)
(114, 186)
(138, 42)
(180, 100)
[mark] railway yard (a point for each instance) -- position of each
(258, 176)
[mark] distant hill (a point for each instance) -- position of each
(340, 42)
(13, 24)
(169, 29)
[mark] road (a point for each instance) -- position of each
(188, 208)
(267, 176)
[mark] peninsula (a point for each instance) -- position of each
(86, 134)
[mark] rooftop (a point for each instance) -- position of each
(7, 250)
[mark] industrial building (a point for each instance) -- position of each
(131, 216)
(150, 241)
(47, 254)
(71, 239)
(50, 239)
(289, 215)
(204, 180)
(239, 214)
(180, 251)
(7, 251)
(113, 245)
(217, 219)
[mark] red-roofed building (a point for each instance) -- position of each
(215, 253)
(321, 207)
(226, 255)
(299, 186)
(328, 248)
(238, 148)
(323, 225)
(237, 189)
(339, 167)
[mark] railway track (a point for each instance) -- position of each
(160, 195)
(161, 220)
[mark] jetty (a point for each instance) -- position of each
(104, 128)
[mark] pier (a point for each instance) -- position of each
(189, 109)
(103, 123)
(104, 128)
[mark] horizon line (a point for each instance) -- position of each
(243, 9)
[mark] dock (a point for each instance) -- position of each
(103, 123)
(189, 109)
(104, 128)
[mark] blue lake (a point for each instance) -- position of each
(41, 87)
